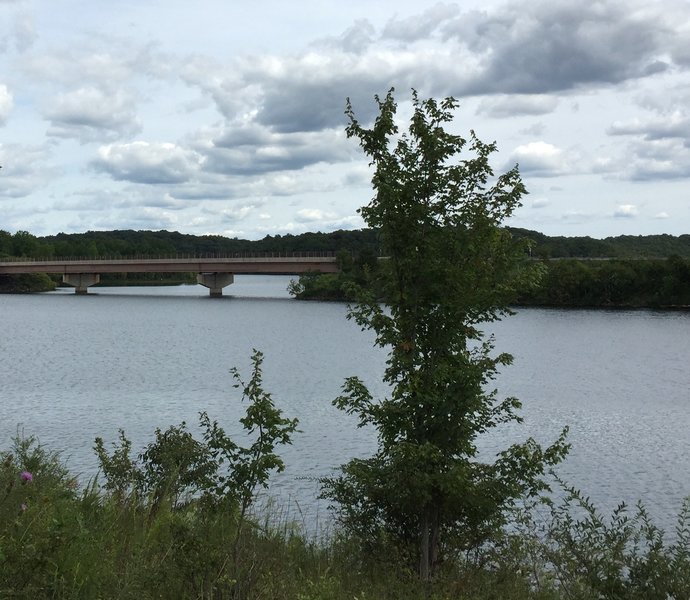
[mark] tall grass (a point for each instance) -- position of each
(62, 540)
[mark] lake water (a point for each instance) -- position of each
(76, 367)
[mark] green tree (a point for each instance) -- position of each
(5, 243)
(24, 244)
(451, 267)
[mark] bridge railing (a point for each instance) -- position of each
(185, 256)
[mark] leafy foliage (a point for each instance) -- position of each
(450, 267)
(176, 468)
(612, 283)
(579, 553)
(62, 542)
(121, 243)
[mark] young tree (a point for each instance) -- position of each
(450, 268)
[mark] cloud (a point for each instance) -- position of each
(20, 32)
(232, 214)
(578, 216)
(540, 203)
(505, 106)
(24, 32)
(524, 54)
(249, 149)
(661, 215)
(354, 40)
(625, 211)
(540, 159)
(534, 130)
(101, 62)
(658, 159)
(141, 218)
(676, 125)
(25, 169)
(348, 222)
(251, 125)
(420, 26)
(90, 114)
(555, 45)
(308, 93)
(310, 215)
(358, 176)
(144, 162)
(6, 104)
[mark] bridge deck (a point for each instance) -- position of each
(250, 265)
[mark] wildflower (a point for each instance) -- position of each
(26, 477)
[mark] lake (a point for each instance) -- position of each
(76, 367)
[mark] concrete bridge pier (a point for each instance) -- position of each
(81, 281)
(215, 282)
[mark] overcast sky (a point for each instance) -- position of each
(227, 117)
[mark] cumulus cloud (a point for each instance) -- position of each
(553, 45)
(625, 211)
(309, 93)
(6, 103)
(144, 162)
(300, 226)
(357, 176)
(142, 218)
(355, 39)
(578, 216)
(24, 32)
(90, 114)
(310, 215)
(524, 52)
(252, 149)
(659, 159)
(540, 159)
(19, 34)
(268, 127)
(233, 213)
(422, 25)
(25, 169)
(504, 106)
(676, 125)
(540, 203)
(102, 63)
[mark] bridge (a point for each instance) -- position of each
(214, 272)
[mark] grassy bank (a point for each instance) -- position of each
(60, 539)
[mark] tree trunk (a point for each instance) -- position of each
(433, 542)
(424, 573)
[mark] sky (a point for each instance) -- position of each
(222, 117)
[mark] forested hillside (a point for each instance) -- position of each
(149, 243)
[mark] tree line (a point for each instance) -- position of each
(121, 243)
(638, 271)
(611, 283)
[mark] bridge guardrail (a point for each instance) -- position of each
(184, 256)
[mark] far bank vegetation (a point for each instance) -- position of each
(625, 271)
